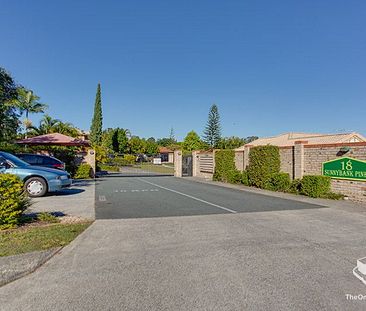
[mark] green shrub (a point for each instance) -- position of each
(84, 171)
(295, 186)
(315, 186)
(13, 201)
(110, 168)
(225, 169)
(244, 178)
(333, 196)
(127, 159)
(279, 182)
(47, 217)
(264, 162)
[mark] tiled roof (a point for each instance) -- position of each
(165, 150)
(288, 139)
(53, 139)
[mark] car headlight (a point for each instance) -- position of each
(62, 177)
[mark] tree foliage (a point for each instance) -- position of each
(166, 141)
(233, 142)
(97, 122)
(9, 118)
(192, 142)
(27, 102)
(212, 133)
(116, 139)
(49, 125)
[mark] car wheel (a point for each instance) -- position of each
(36, 187)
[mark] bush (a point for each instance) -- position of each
(264, 162)
(244, 178)
(110, 168)
(333, 196)
(127, 159)
(13, 201)
(84, 171)
(315, 186)
(295, 186)
(225, 169)
(47, 217)
(279, 182)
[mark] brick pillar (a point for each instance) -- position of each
(89, 158)
(246, 157)
(178, 163)
(299, 166)
(195, 163)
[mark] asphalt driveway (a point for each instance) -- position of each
(142, 197)
(246, 253)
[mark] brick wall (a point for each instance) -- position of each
(287, 160)
(313, 158)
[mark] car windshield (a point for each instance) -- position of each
(15, 160)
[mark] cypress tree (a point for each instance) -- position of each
(97, 122)
(212, 133)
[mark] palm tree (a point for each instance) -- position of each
(67, 128)
(27, 102)
(46, 126)
(49, 125)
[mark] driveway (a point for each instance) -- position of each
(232, 250)
(77, 200)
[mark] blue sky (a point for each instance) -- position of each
(270, 66)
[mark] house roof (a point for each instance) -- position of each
(289, 139)
(53, 139)
(165, 150)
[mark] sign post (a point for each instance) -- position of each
(345, 168)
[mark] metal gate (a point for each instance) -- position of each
(187, 165)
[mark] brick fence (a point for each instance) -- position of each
(304, 159)
(298, 160)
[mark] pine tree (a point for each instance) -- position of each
(172, 135)
(97, 122)
(212, 133)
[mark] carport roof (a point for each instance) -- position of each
(53, 139)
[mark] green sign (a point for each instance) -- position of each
(345, 168)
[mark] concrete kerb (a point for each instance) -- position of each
(17, 266)
(282, 195)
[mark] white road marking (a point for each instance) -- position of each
(102, 198)
(189, 196)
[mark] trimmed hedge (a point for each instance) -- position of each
(225, 169)
(315, 186)
(264, 163)
(13, 201)
(83, 171)
(279, 182)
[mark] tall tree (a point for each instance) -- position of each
(9, 119)
(172, 135)
(96, 128)
(50, 125)
(28, 102)
(192, 142)
(212, 133)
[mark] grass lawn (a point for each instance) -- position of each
(29, 239)
(156, 168)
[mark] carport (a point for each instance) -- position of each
(84, 155)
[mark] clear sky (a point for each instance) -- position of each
(270, 66)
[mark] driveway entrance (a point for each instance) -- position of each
(160, 196)
(232, 250)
